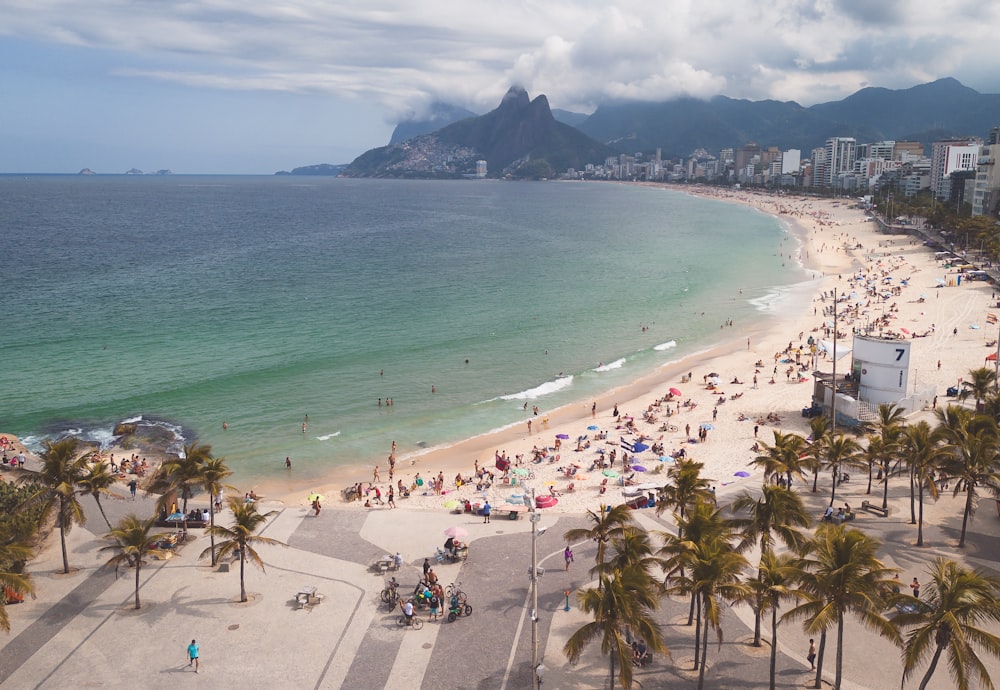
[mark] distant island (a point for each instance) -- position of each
(319, 169)
(131, 171)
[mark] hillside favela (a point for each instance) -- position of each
(692, 391)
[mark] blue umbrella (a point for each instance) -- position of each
(638, 468)
(639, 447)
(593, 427)
(710, 427)
(741, 473)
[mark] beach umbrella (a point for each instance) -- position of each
(610, 473)
(708, 426)
(593, 427)
(456, 532)
(904, 331)
(713, 375)
(522, 472)
(741, 473)
(516, 499)
(562, 436)
(549, 483)
(452, 504)
(676, 392)
(639, 447)
(638, 468)
(315, 497)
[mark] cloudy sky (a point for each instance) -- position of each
(255, 86)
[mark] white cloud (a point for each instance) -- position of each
(575, 51)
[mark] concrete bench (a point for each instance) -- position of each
(872, 508)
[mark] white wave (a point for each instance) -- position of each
(665, 346)
(544, 389)
(328, 436)
(132, 420)
(617, 364)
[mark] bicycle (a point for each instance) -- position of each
(455, 590)
(415, 621)
(390, 595)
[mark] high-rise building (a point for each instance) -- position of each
(840, 154)
(791, 160)
(948, 156)
(906, 151)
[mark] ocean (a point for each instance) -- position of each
(189, 301)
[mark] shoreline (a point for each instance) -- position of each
(830, 239)
(568, 419)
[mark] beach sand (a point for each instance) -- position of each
(832, 239)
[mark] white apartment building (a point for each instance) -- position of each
(949, 156)
(791, 161)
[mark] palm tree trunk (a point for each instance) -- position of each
(62, 534)
(243, 587)
(815, 479)
(697, 634)
(840, 651)
(913, 474)
(704, 657)
(819, 660)
(885, 486)
(138, 565)
(774, 643)
(756, 624)
(101, 508)
(930, 670)
(211, 531)
(833, 491)
(965, 517)
(694, 597)
(871, 466)
(611, 684)
(920, 522)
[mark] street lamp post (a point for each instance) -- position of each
(535, 517)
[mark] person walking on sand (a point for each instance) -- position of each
(568, 555)
(131, 488)
(486, 513)
(192, 651)
(375, 477)
(316, 506)
(811, 654)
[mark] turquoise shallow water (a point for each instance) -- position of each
(258, 300)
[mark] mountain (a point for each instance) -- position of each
(520, 138)
(922, 113)
(441, 115)
(568, 117)
(326, 169)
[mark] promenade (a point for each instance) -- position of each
(81, 629)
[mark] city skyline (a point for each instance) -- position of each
(214, 87)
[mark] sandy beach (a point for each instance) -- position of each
(833, 240)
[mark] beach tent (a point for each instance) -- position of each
(842, 348)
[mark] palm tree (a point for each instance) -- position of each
(97, 481)
(181, 475)
(775, 582)
(819, 435)
(946, 620)
(923, 453)
(776, 513)
(686, 487)
(842, 575)
(132, 543)
(630, 548)
(887, 428)
(15, 583)
(703, 523)
(609, 522)
(784, 456)
(874, 455)
(62, 468)
(241, 537)
(715, 573)
(213, 472)
(980, 383)
(973, 447)
(622, 604)
(842, 451)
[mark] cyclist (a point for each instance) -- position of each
(408, 612)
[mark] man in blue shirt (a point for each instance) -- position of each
(486, 512)
(193, 655)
